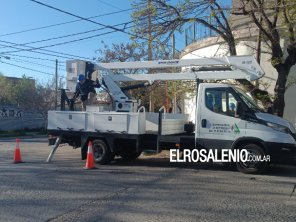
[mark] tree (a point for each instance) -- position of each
(121, 52)
(5, 87)
(27, 95)
(30, 97)
(275, 19)
(137, 52)
(124, 52)
(166, 19)
(45, 98)
(178, 90)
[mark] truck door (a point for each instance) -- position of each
(219, 125)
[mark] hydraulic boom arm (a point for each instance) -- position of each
(231, 67)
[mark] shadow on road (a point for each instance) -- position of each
(287, 170)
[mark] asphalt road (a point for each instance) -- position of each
(148, 189)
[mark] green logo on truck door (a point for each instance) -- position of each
(235, 128)
(223, 128)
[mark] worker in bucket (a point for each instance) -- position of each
(86, 89)
(232, 109)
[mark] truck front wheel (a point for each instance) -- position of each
(102, 153)
(253, 165)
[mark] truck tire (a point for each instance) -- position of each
(130, 155)
(252, 167)
(102, 153)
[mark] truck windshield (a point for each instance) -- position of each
(249, 101)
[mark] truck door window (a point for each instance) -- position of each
(232, 104)
(214, 100)
(220, 101)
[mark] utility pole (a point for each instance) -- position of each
(167, 105)
(258, 53)
(149, 32)
(174, 69)
(174, 46)
(56, 86)
(149, 50)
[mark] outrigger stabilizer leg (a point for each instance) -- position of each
(53, 149)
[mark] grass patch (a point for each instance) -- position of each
(23, 132)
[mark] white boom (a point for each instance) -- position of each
(241, 67)
(231, 67)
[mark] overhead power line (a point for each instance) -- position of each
(34, 63)
(109, 4)
(77, 16)
(78, 33)
(60, 64)
(31, 57)
(73, 21)
(57, 44)
(63, 23)
(57, 54)
(70, 35)
(42, 53)
(64, 36)
(22, 67)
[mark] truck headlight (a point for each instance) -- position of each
(278, 127)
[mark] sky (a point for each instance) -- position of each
(22, 22)
(30, 24)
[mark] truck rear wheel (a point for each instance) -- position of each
(253, 166)
(102, 153)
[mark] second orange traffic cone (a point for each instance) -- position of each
(90, 162)
(17, 153)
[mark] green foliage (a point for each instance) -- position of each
(156, 93)
(23, 90)
(25, 94)
(5, 92)
(122, 52)
(276, 61)
(290, 8)
(23, 132)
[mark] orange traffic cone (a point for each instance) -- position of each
(17, 153)
(90, 162)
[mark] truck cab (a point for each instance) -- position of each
(229, 118)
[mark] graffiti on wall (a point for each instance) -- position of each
(10, 112)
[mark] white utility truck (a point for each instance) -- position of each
(225, 116)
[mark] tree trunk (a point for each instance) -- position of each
(280, 89)
(231, 45)
(257, 93)
(283, 70)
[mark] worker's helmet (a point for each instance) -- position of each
(81, 77)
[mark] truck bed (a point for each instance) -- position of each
(116, 122)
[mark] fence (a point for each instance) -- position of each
(14, 118)
(197, 31)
